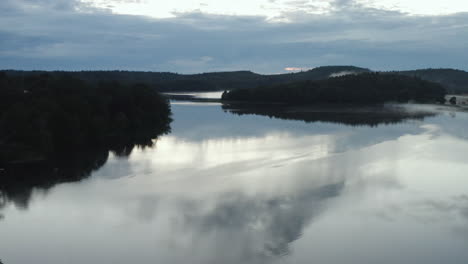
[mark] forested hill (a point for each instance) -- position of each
(455, 81)
(366, 88)
(166, 81)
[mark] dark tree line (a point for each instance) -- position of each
(455, 81)
(366, 88)
(166, 81)
(43, 116)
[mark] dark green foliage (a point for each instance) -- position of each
(367, 88)
(44, 116)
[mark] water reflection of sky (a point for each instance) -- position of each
(224, 188)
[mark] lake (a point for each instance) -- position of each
(228, 188)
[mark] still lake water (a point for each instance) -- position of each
(223, 188)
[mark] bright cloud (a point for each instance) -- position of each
(422, 7)
(165, 9)
(296, 69)
(272, 8)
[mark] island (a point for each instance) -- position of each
(360, 89)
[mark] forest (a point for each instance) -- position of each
(365, 88)
(167, 81)
(43, 117)
(455, 81)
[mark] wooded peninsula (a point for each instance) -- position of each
(44, 116)
(364, 88)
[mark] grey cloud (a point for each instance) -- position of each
(61, 5)
(265, 227)
(452, 211)
(457, 205)
(378, 39)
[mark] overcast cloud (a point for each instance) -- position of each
(75, 35)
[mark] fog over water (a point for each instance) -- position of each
(227, 188)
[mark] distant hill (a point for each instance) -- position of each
(166, 81)
(319, 73)
(455, 81)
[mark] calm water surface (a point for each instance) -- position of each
(223, 188)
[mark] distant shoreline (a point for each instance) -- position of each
(455, 81)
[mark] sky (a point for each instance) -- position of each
(264, 36)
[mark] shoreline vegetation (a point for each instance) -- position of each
(43, 117)
(358, 89)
